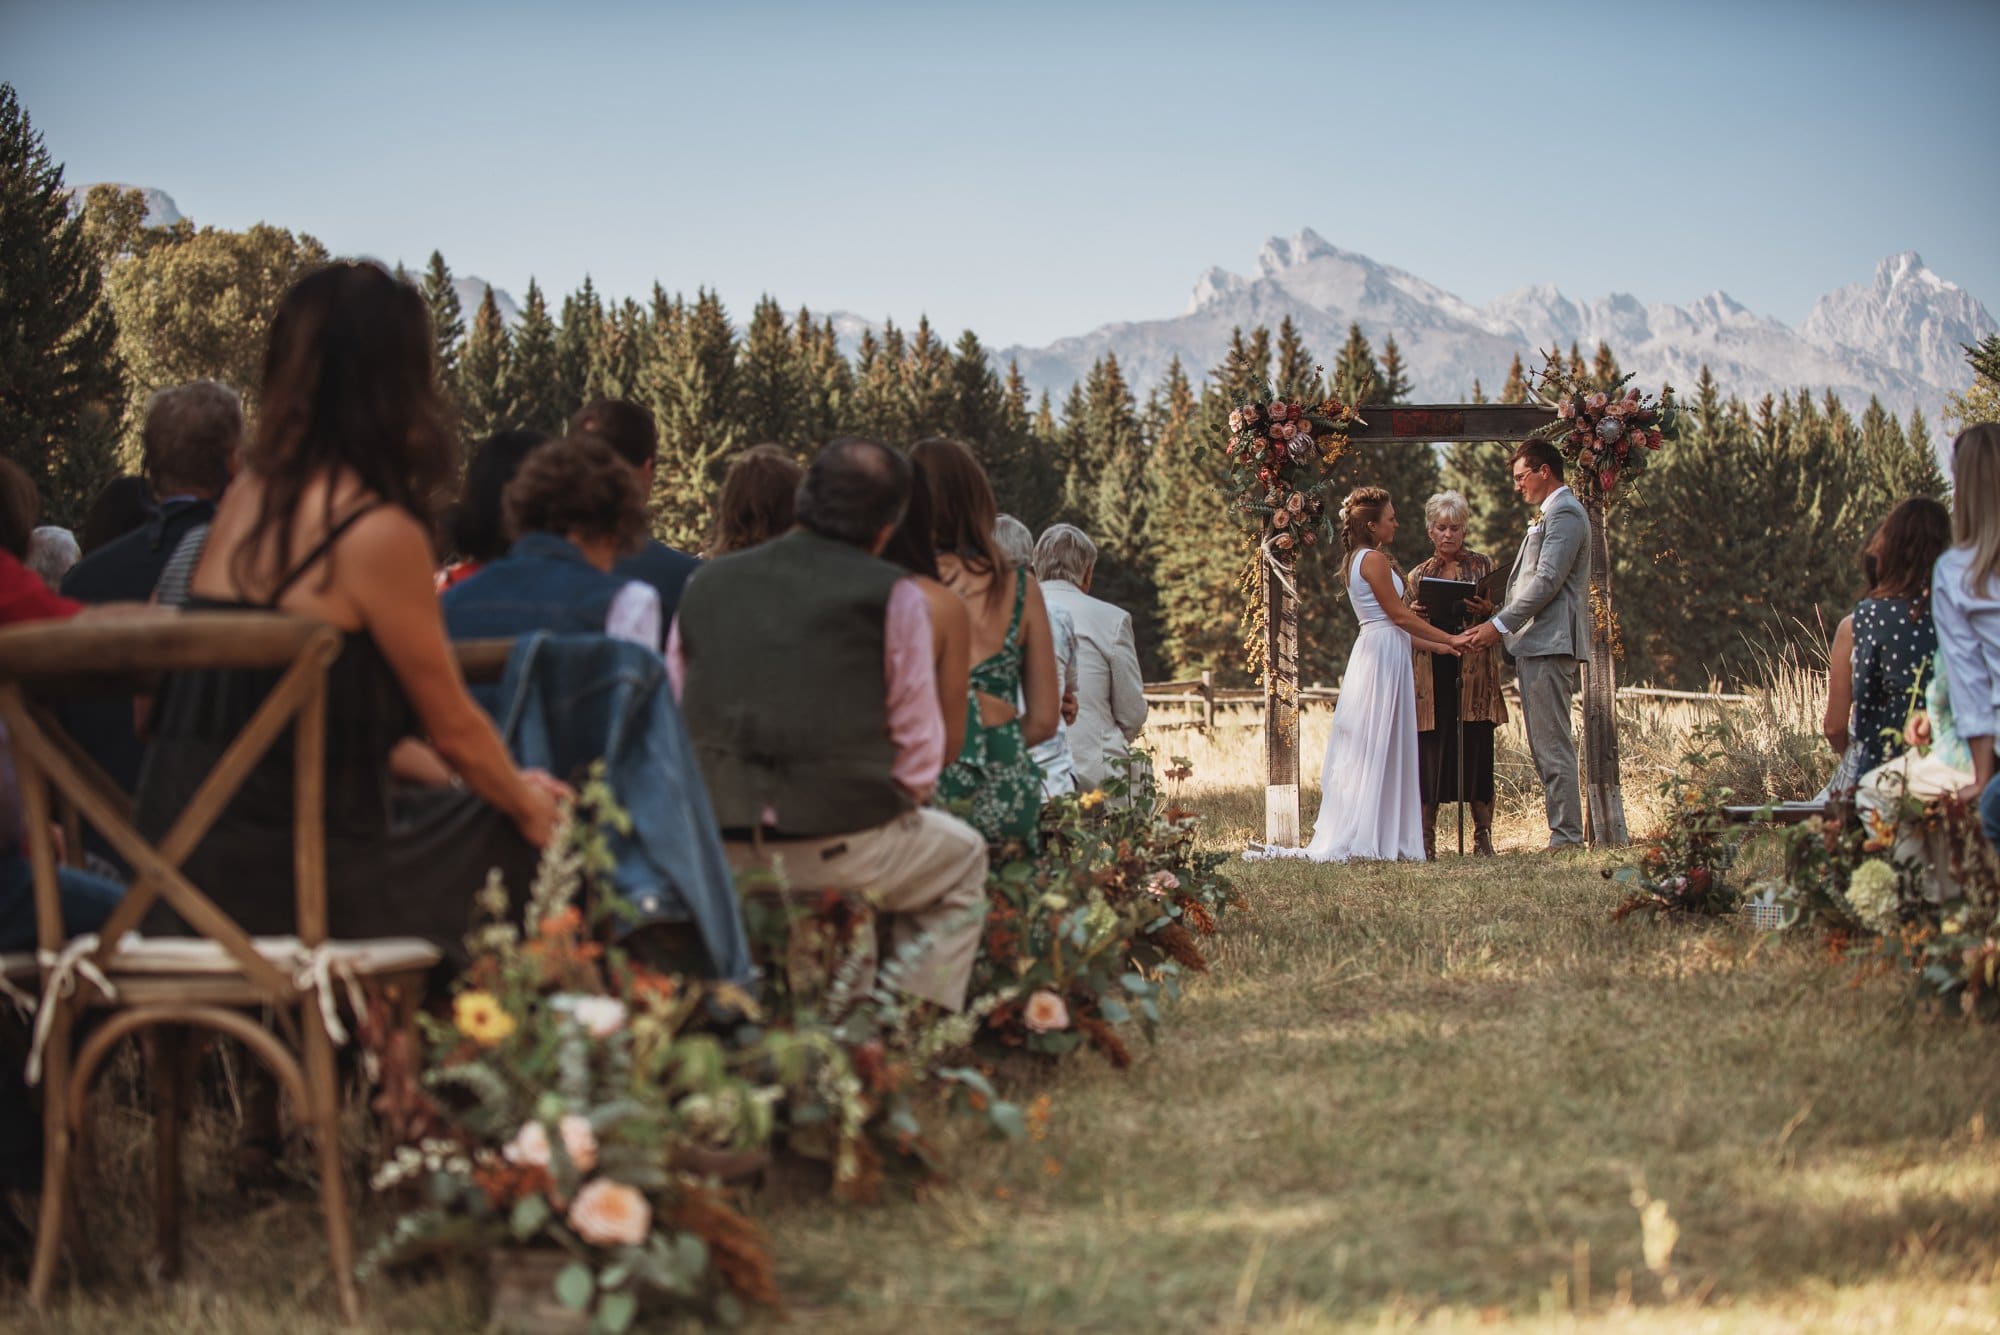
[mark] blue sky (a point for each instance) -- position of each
(1034, 170)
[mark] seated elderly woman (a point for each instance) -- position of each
(1451, 691)
(574, 508)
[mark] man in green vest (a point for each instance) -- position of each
(805, 672)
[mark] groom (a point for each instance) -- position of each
(1546, 627)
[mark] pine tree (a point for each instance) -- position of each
(1480, 472)
(483, 372)
(768, 382)
(61, 378)
(694, 396)
(577, 340)
(1926, 475)
(1980, 402)
(1604, 367)
(1198, 545)
(1394, 374)
(447, 325)
(1296, 375)
(826, 380)
(1113, 503)
(1355, 377)
(926, 382)
(533, 385)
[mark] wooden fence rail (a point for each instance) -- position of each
(1203, 694)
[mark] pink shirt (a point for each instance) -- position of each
(915, 725)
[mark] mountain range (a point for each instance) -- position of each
(1898, 337)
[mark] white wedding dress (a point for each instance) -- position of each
(1369, 806)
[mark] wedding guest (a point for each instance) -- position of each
(1015, 696)
(52, 552)
(1893, 638)
(804, 666)
(759, 500)
(1110, 691)
(476, 526)
(574, 509)
(913, 546)
(123, 504)
(1966, 586)
(1451, 690)
(330, 519)
(628, 429)
(1017, 543)
(23, 595)
(188, 450)
(1837, 723)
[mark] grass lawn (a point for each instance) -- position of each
(1436, 1096)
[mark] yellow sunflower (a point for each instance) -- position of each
(481, 1018)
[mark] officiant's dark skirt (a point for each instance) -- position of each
(1437, 750)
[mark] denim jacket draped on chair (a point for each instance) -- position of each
(573, 699)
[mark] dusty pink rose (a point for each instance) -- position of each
(1632, 395)
(1282, 518)
(1598, 401)
(530, 1146)
(1235, 419)
(1045, 1013)
(1587, 458)
(1618, 409)
(1162, 881)
(1251, 415)
(1297, 503)
(1566, 410)
(611, 1214)
(1279, 411)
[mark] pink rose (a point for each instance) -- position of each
(1632, 395)
(1566, 410)
(1307, 534)
(1297, 503)
(1597, 401)
(1586, 458)
(1282, 518)
(1045, 1013)
(530, 1146)
(1235, 419)
(1279, 411)
(1250, 414)
(1160, 882)
(611, 1214)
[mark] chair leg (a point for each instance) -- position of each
(56, 1177)
(169, 1074)
(323, 1089)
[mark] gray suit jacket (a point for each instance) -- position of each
(1548, 594)
(1110, 693)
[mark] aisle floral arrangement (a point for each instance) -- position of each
(1684, 869)
(1605, 435)
(1090, 934)
(568, 1105)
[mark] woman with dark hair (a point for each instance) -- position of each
(913, 546)
(1370, 802)
(1890, 640)
(331, 519)
(121, 506)
(1012, 648)
(759, 500)
(475, 525)
(573, 509)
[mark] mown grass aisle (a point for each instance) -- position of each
(1436, 1093)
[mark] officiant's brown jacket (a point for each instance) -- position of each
(1479, 698)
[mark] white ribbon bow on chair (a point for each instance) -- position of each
(63, 969)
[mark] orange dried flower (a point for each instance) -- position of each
(569, 922)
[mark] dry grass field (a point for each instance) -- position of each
(1409, 1097)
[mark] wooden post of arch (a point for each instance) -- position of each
(1421, 426)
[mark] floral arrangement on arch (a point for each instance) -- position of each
(1281, 455)
(1605, 436)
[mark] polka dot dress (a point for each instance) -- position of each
(1892, 656)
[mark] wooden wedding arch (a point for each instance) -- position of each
(1421, 426)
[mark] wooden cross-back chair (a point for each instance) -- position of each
(270, 994)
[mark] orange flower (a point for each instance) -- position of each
(569, 922)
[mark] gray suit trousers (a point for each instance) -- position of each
(1547, 685)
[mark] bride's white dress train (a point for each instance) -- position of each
(1369, 805)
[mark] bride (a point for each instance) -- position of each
(1369, 806)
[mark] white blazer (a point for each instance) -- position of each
(1110, 693)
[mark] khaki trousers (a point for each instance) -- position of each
(925, 869)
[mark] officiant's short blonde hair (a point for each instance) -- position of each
(1446, 507)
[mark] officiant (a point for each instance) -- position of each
(1454, 690)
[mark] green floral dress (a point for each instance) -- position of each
(994, 774)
